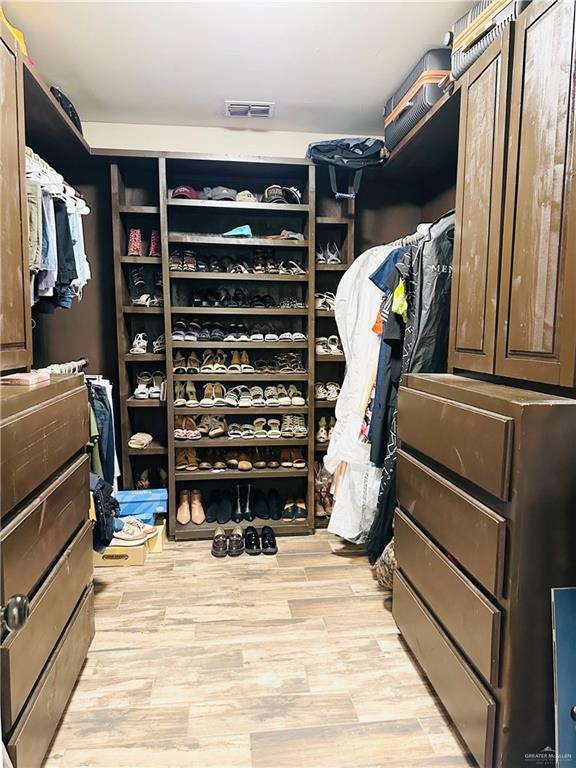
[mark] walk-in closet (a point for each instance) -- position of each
(288, 384)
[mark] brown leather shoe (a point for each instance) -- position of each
(220, 543)
(183, 513)
(236, 542)
(244, 463)
(196, 509)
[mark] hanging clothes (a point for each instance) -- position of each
(417, 337)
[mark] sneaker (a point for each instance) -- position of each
(129, 536)
(149, 530)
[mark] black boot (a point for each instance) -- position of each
(248, 512)
(237, 513)
(224, 512)
(274, 504)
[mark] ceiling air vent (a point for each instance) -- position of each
(249, 108)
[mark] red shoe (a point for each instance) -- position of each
(154, 243)
(135, 243)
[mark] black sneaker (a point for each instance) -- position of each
(268, 541)
(252, 541)
(224, 511)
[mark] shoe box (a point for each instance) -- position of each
(143, 504)
(120, 556)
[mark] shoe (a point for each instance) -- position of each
(237, 512)
(322, 432)
(143, 481)
(183, 513)
(197, 514)
(247, 503)
(289, 511)
(236, 542)
(154, 249)
(135, 242)
(148, 530)
(224, 511)
(259, 505)
(269, 546)
(219, 543)
(212, 508)
(252, 541)
(241, 231)
(333, 254)
(300, 512)
(140, 344)
(274, 504)
(128, 536)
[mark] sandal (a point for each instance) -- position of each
(274, 429)
(322, 346)
(321, 432)
(283, 396)
(142, 391)
(257, 396)
(247, 431)
(191, 398)
(140, 440)
(295, 395)
(192, 331)
(218, 426)
(320, 391)
(235, 362)
(189, 263)
(233, 396)
(332, 391)
(175, 262)
(160, 344)
(271, 395)
(179, 394)
(234, 430)
(259, 428)
(158, 387)
(333, 254)
(245, 364)
(193, 363)
(179, 363)
(208, 399)
(334, 344)
(286, 458)
(179, 330)
(245, 399)
(287, 428)
(298, 461)
(140, 344)
(208, 362)
(220, 361)
(219, 395)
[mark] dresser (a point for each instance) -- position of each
(46, 543)
(485, 527)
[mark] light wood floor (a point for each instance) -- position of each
(266, 662)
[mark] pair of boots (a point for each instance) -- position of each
(190, 508)
(242, 507)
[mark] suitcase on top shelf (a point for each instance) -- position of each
(416, 96)
(474, 31)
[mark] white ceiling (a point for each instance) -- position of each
(329, 66)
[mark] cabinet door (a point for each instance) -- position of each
(479, 209)
(537, 317)
(15, 321)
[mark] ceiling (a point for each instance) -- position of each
(329, 66)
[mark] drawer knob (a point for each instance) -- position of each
(15, 612)
(573, 712)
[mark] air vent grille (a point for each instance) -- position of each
(249, 108)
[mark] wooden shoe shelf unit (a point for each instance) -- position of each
(141, 198)
(335, 224)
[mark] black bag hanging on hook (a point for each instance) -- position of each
(350, 154)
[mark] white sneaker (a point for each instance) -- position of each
(148, 530)
(129, 536)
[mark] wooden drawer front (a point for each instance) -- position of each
(33, 541)
(469, 531)
(467, 701)
(471, 620)
(25, 653)
(473, 443)
(37, 725)
(37, 442)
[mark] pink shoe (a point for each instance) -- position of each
(135, 243)
(154, 249)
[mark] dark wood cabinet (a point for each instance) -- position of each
(15, 318)
(514, 297)
(537, 318)
(479, 209)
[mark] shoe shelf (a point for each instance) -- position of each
(140, 199)
(330, 359)
(232, 205)
(133, 402)
(242, 377)
(335, 223)
(236, 474)
(139, 210)
(268, 311)
(147, 357)
(155, 448)
(247, 345)
(258, 242)
(240, 442)
(141, 261)
(230, 409)
(131, 310)
(191, 531)
(176, 274)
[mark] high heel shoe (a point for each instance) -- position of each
(154, 249)
(135, 242)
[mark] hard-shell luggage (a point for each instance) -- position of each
(474, 31)
(416, 96)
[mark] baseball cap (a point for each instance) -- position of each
(245, 196)
(185, 191)
(274, 194)
(224, 193)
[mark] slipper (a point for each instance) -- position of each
(140, 440)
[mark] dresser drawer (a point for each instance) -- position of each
(36, 442)
(467, 701)
(37, 724)
(471, 620)
(23, 654)
(469, 531)
(475, 444)
(36, 537)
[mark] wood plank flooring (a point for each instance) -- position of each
(266, 662)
